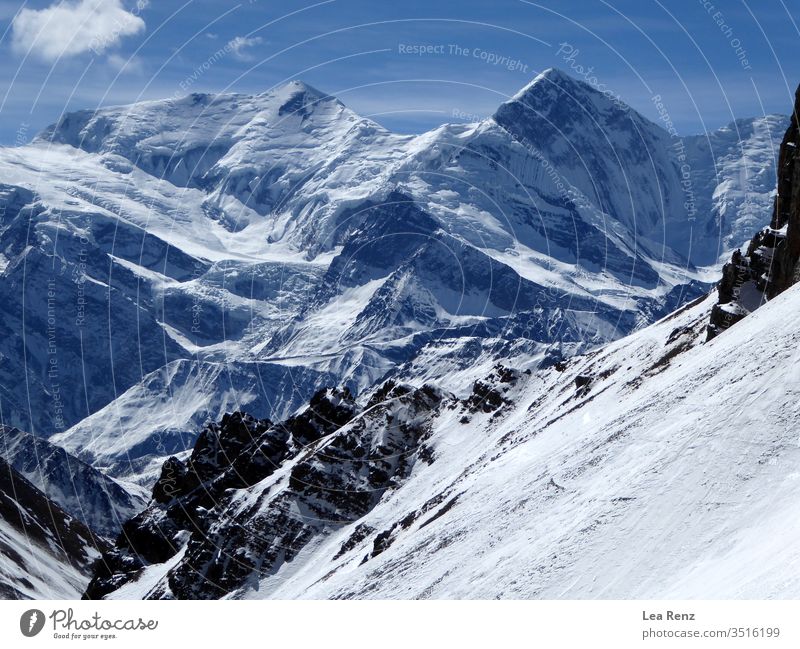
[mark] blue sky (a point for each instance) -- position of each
(710, 61)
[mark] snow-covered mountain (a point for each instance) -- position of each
(733, 179)
(166, 262)
(86, 494)
(44, 552)
(654, 467)
(162, 414)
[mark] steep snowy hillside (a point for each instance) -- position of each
(44, 552)
(655, 467)
(86, 494)
(240, 250)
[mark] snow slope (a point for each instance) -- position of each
(672, 474)
(44, 552)
(101, 503)
(659, 466)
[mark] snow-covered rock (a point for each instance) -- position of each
(290, 483)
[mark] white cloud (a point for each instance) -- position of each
(240, 44)
(71, 28)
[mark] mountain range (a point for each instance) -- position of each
(173, 260)
(359, 348)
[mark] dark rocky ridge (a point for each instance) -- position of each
(770, 264)
(332, 463)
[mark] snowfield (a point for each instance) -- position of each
(673, 474)
(659, 466)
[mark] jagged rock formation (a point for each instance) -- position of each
(488, 395)
(769, 266)
(44, 552)
(253, 494)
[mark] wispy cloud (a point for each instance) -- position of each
(125, 65)
(72, 28)
(241, 44)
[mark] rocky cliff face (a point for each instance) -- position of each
(786, 214)
(254, 494)
(769, 266)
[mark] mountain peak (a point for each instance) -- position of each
(301, 86)
(556, 96)
(546, 80)
(297, 88)
(552, 92)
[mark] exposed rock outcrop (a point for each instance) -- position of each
(489, 395)
(253, 494)
(770, 264)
